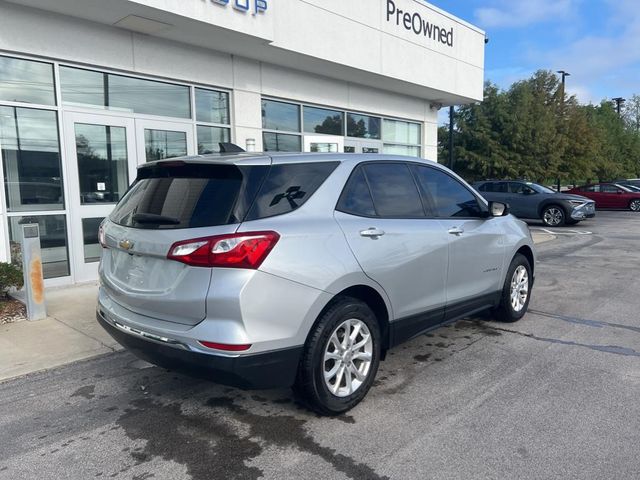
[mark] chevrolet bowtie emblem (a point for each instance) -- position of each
(126, 244)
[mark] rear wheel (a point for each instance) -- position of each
(516, 291)
(340, 359)
(634, 205)
(553, 216)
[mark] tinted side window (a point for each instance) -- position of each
(287, 187)
(517, 187)
(450, 197)
(608, 188)
(356, 197)
(393, 190)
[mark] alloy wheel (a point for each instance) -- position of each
(519, 288)
(553, 216)
(635, 205)
(347, 357)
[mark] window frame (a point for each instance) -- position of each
(345, 113)
(426, 206)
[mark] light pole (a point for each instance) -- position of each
(563, 74)
(619, 101)
(451, 137)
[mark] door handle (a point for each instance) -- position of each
(372, 232)
(456, 231)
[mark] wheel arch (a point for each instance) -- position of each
(551, 202)
(527, 251)
(374, 300)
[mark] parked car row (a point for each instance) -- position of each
(611, 195)
(532, 201)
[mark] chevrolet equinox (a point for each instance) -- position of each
(302, 270)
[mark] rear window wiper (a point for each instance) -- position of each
(154, 219)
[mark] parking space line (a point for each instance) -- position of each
(561, 232)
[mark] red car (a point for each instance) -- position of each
(610, 195)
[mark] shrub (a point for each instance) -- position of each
(10, 276)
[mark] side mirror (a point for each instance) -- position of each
(498, 209)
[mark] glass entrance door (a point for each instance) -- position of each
(157, 140)
(100, 166)
(323, 143)
(362, 146)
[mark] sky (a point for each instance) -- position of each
(596, 41)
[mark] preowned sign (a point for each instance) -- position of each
(416, 23)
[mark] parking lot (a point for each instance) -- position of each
(552, 396)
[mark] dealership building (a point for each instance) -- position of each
(90, 89)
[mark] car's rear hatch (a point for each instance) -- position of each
(172, 202)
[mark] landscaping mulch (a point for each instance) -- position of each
(12, 311)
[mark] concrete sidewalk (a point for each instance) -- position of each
(70, 333)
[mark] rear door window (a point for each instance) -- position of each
(288, 186)
(189, 196)
(394, 191)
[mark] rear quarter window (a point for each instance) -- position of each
(288, 186)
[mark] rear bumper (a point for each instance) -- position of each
(275, 369)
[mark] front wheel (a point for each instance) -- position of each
(516, 291)
(340, 359)
(553, 216)
(634, 206)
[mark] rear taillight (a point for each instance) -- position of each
(101, 237)
(238, 250)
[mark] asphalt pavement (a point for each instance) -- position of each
(555, 395)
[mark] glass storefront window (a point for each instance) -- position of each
(363, 126)
(53, 243)
(281, 142)
(102, 162)
(160, 144)
(210, 137)
(212, 106)
(92, 248)
(26, 81)
(31, 159)
(117, 92)
(401, 150)
(280, 116)
(321, 120)
(397, 131)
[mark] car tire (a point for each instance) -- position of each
(634, 205)
(512, 308)
(553, 216)
(327, 351)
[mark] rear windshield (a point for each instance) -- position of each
(189, 196)
(197, 195)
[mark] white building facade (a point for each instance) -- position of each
(90, 89)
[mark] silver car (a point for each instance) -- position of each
(303, 270)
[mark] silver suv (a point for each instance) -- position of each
(263, 271)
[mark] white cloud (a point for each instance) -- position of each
(606, 60)
(518, 13)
